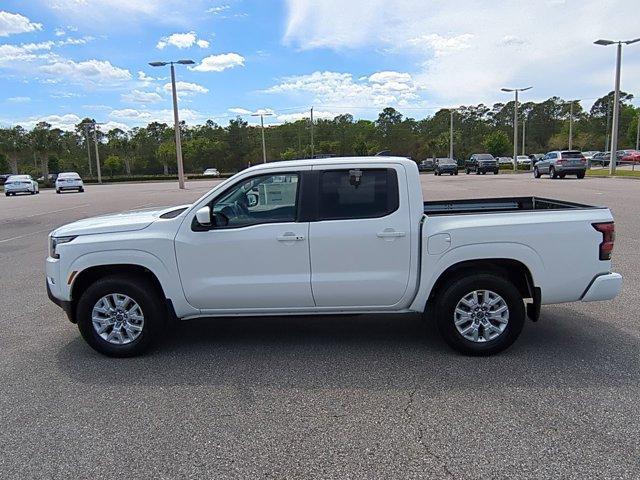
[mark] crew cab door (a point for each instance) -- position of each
(256, 255)
(360, 239)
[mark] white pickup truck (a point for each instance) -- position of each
(330, 236)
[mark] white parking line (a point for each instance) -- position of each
(47, 213)
(25, 235)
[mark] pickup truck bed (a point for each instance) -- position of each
(499, 205)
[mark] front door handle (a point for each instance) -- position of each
(390, 233)
(290, 237)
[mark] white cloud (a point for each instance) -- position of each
(240, 111)
(218, 63)
(139, 96)
(182, 40)
(293, 117)
(59, 32)
(133, 117)
(483, 55)
(219, 9)
(19, 99)
(11, 55)
(91, 72)
(186, 88)
(65, 122)
(340, 89)
(11, 23)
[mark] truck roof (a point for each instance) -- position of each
(337, 161)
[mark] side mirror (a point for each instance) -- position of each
(203, 216)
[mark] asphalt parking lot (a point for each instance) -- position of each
(329, 397)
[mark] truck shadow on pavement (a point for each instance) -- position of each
(565, 348)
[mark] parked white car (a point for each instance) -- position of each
(69, 181)
(331, 236)
(523, 161)
(211, 172)
(505, 161)
(20, 184)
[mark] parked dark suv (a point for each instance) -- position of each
(481, 163)
(446, 165)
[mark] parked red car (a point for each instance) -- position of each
(629, 156)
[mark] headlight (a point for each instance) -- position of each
(54, 242)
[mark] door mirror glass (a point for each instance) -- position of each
(203, 216)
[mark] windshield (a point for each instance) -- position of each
(485, 156)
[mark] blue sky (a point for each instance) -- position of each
(61, 60)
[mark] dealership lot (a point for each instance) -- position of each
(325, 397)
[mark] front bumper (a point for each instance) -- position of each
(65, 305)
(603, 287)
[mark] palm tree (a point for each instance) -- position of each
(13, 142)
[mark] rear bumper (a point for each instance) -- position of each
(603, 287)
(571, 170)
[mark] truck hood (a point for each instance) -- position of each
(115, 222)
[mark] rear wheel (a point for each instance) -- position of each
(580, 175)
(120, 316)
(480, 314)
(456, 172)
(81, 189)
(467, 171)
(495, 172)
(562, 175)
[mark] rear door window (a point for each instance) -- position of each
(357, 193)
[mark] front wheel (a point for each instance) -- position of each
(480, 314)
(495, 172)
(120, 316)
(467, 171)
(552, 173)
(536, 172)
(81, 190)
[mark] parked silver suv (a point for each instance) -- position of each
(560, 163)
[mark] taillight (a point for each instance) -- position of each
(608, 231)
(583, 160)
(561, 162)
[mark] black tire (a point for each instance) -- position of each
(81, 190)
(495, 172)
(460, 287)
(484, 173)
(580, 175)
(456, 172)
(452, 173)
(477, 172)
(536, 172)
(143, 293)
(562, 175)
(552, 173)
(6, 194)
(57, 191)
(467, 171)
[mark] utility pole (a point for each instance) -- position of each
(571, 125)
(606, 137)
(616, 113)
(524, 124)
(451, 136)
(638, 134)
(616, 98)
(262, 114)
(95, 139)
(176, 121)
(86, 137)
(312, 146)
(515, 124)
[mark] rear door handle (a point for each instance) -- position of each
(390, 233)
(290, 237)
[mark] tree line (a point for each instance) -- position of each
(150, 150)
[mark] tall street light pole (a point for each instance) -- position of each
(312, 145)
(571, 102)
(524, 125)
(638, 134)
(515, 123)
(87, 126)
(451, 134)
(176, 120)
(262, 114)
(95, 140)
(616, 99)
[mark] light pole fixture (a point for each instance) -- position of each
(515, 123)
(176, 120)
(616, 99)
(262, 114)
